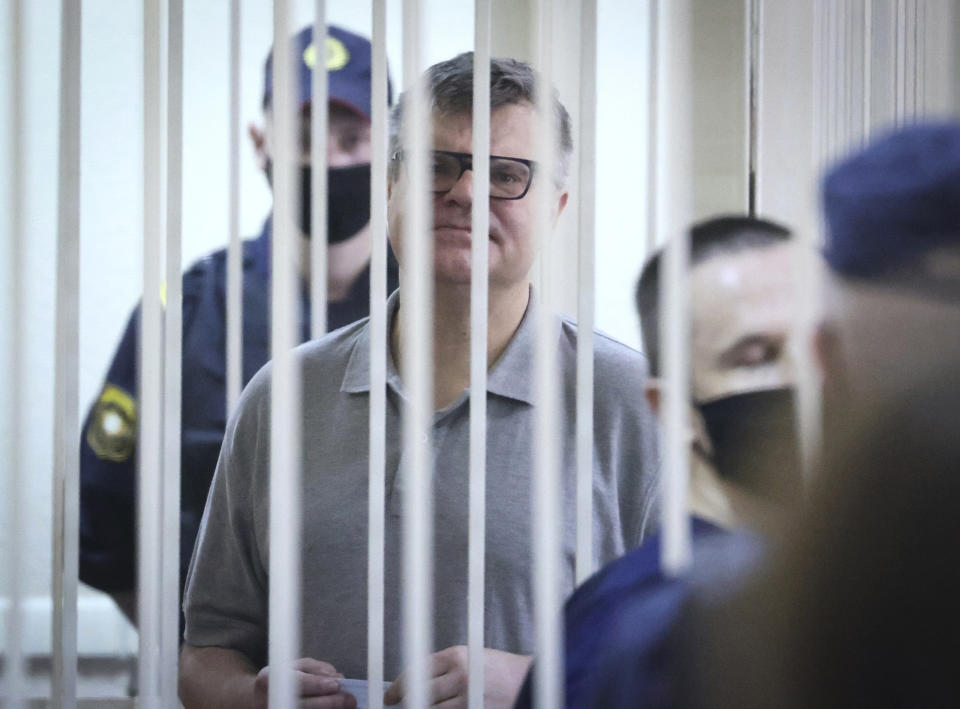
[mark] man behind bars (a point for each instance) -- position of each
(108, 449)
(744, 456)
(222, 663)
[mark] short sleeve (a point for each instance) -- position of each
(108, 460)
(225, 600)
(108, 474)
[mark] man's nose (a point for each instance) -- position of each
(338, 157)
(462, 190)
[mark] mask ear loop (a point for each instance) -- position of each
(702, 452)
(696, 436)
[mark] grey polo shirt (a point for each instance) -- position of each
(226, 596)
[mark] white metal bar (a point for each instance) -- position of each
(285, 512)
(318, 176)
(753, 8)
(172, 346)
(867, 69)
(417, 313)
(808, 401)
(66, 467)
(235, 246)
(547, 510)
(14, 669)
(479, 293)
(586, 296)
(653, 148)
(151, 342)
(827, 79)
(830, 80)
(852, 126)
(673, 210)
(843, 66)
(900, 63)
(916, 56)
(816, 37)
(378, 354)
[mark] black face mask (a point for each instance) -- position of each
(348, 200)
(754, 439)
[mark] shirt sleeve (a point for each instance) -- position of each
(108, 461)
(108, 474)
(225, 601)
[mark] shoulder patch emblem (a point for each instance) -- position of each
(112, 432)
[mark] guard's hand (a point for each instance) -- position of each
(503, 673)
(318, 686)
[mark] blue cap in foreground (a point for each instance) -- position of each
(896, 200)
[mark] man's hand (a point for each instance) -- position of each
(503, 673)
(318, 686)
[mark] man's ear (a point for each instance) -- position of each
(651, 391)
(828, 355)
(561, 204)
(827, 351)
(259, 142)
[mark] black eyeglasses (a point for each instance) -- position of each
(510, 178)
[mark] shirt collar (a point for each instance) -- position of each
(260, 250)
(511, 376)
(356, 379)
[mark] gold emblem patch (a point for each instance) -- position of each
(112, 432)
(337, 55)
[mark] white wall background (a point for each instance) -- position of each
(111, 199)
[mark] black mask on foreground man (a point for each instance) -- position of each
(754, 441)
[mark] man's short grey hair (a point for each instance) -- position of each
(449, 86)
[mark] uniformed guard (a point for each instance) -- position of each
(108, 538)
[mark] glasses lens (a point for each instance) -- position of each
(508, 178)
(446, 172)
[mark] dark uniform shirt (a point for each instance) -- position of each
(620, 625)
(108, 478)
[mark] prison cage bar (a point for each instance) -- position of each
(673, 209)
(479, 294)
(586, 300)
(318, 176)
(376, 536)
(14, 666)
(150, 414)
(66, 462)
(416, 313)
(234, 343)
(547, 523)
(285, 434)
(169, 576)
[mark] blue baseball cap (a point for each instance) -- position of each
(348, 65)
(893, 202)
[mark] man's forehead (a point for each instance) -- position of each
(744, 269)
(736, 291)
(511, 128)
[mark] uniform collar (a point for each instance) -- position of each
(260, 250)
(511, 376)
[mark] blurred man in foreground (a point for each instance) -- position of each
(891, 322)
(860, 610)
